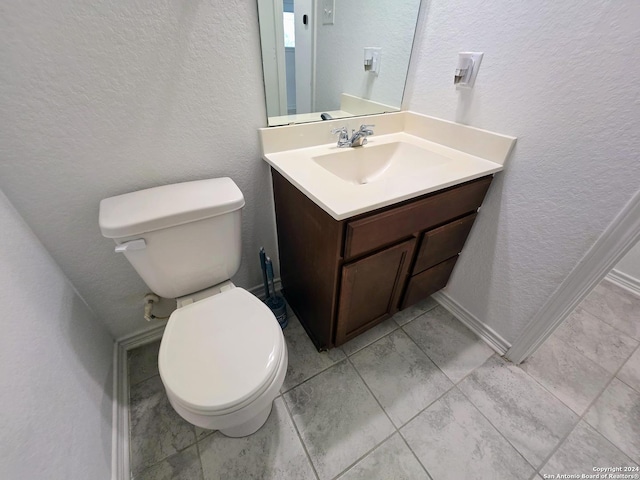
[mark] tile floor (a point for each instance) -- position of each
(419, 397)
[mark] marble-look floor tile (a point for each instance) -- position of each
(184, 465)
(405, 316)
(401, 376)
(630, 372)
(615, 306)
(273, 452)
(157, 431)
(370, 336)
(596, 340)
(451, 345)
(566, 373)
(143, 362)
(532, 419)
(391, 460)
(338, 419)
(583, 450)
(304, 359)
(453, 441)
(616, 415)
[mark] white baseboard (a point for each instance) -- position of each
(121, 396)
(484, 331)
(618, 238)
(120, 410)
(624, 281)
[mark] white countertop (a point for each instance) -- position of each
(342, 199)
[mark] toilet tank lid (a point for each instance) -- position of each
(167, 206)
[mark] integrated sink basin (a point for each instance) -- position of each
(370, 163)
(408, 155)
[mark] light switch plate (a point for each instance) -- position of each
(328, 11)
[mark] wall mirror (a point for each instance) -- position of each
(334, 58)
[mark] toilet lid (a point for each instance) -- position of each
(220, 351)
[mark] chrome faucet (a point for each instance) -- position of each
(357, 139)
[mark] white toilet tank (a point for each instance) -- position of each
(180, 238)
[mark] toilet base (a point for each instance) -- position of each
(250, 427)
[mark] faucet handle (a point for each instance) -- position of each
(366, 129)
(343, 139)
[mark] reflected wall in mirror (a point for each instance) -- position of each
(340, 58)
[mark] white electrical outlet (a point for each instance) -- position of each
(328, 11)
(372, 59)
(467, 70)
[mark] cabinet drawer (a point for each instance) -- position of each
(443, 242)
(385, 228)
(428, 282)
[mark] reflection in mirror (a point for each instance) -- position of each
(334, 58)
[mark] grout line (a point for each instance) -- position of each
(396, 429)
(313, 376)
(581, 418)
(414, 454)
(626, 334)
(596, 315)
(455, 386)
(200, 456)
(304, 446)
(434, 363)
(374, 341)
(398, 327)
(493, 352)
(366, 454)
(568, 347)
(535, 470)
(625, 383)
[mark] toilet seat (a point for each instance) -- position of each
(219, 354)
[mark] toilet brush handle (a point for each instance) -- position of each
(269, 266)
(263, 267)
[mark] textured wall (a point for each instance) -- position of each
(340, 50)
(55, 367)
(557, 75)
(102, 98)
(630, 263)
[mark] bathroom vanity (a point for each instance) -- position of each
(344, 277)
(365, 232)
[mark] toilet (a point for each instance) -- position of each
(223, 357)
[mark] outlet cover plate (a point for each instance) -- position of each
(476, 57)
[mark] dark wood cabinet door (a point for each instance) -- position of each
(371, 289)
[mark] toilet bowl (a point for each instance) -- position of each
(222, 357)
(222, 361)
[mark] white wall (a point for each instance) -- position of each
(55, 367)
(557, 75)
(340, 50)
(103, 98)
(630, 264)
